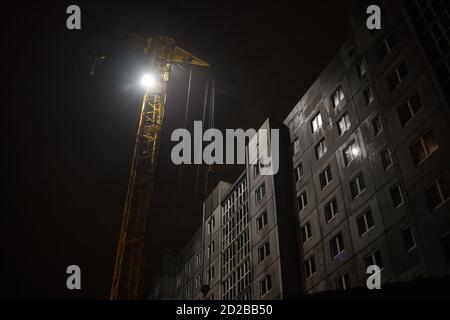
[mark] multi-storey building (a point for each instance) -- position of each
(370, 169)
(371, 157)
(246, 247)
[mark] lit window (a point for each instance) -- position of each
(321, 149)
(364, 222)
(325, 177)
(409, 109)
(306, 232)
(423, 147)
(350, 152)
(376, 126)
(331, 210)
(357, 186)
(438, 192)
(298, 172)
(396, 76)
(343, 124)
(310, 267)
(337, 96)
(386, 158)
(302, 201)
(316, 123)
(408, 238)
(396, 196)
(336, 245)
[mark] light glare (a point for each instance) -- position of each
(148, 81)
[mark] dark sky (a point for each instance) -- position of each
(68, 138)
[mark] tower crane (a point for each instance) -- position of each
(129, 263)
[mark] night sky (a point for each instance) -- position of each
(68, 137)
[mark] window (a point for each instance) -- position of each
(368, 95)
(396, 76)
(396, 196)
(188, 269)
(261, 221)
(357, 186)
(265, 285)
(409, 109)
(298, 172)
(374, 259)
(343, 282)
(178, 281)
(211, 274)
(386, 158)
(316, 123)
(343, 124)
(321, 148)
(438, 192)
(376, 126)
(325, 177)
(197, 259)
(350, 152)
(310, 267)
(331, 210)
(408, 238)
(257, 167)
(197, 281)
(336, 245)
(306, 232)
(211, 224)
(302, 201)
(211, 248)
(361, 69)
(364, 222)
(386, 47)
(423, 147)
(296, 146)
(445, 244)
(264, 251)
(337, 96)
(260, 192)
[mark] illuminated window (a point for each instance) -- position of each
(337, 96)
(321, 149)
(343, 124)
(423, 147)
(316, 123)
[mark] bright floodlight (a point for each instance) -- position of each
(355, 151)
(148, 81)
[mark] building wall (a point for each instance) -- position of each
(428, 227)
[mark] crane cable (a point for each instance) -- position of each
(180, 171)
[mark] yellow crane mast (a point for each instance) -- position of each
(129, 263)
